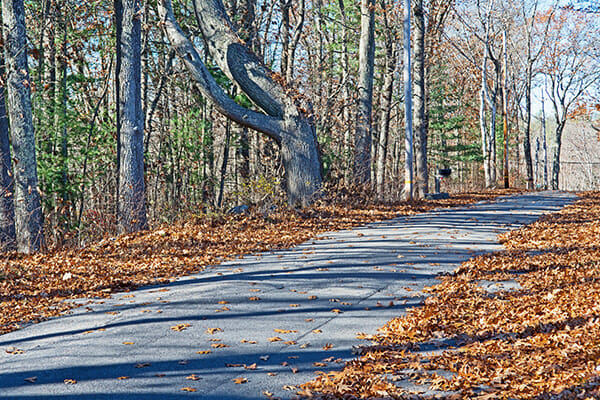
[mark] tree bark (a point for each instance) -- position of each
(293, 45)
(485, 139)
(7, 210)
(285, 35)
(347, 152)
(408, 117)
(364, 108)
(555, 148)
(28, 211)
(130, 122)
(527, 135)
(284, 120)
(386, 107)
(422, 176)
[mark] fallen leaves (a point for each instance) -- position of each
(31, 379)
(212, 331)
(240, 380)
(284, 331)
(69, 381)
(189, 389)
(193, 377)
(14, 350)
(539, 340)
(129, 343)
(33, 288)
(180, 327)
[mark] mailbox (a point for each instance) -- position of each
(444, 172)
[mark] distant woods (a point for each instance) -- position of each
(124, 114)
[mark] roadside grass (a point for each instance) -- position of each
(539, 340)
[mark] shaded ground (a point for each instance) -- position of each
(255, 327)
(523, 323)
(32, 288)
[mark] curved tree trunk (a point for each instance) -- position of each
(283, 119)
(28, 210)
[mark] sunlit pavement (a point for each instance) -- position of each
(259, 325)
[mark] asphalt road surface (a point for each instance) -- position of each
(263, 320)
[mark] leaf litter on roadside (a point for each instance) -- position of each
(539, 340)
(32, 287)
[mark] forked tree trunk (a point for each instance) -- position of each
(28, 211)
(283, 119)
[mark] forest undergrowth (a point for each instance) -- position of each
(35, 287)
(539, 340)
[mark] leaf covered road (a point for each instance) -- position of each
(259, 326)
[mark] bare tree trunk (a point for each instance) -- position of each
(408, 117)
(28, 211)
(130, 125)
(505, 111)
(544, 145)
(364, 109)
(7, 208)
(527, 136)
(485, 147)
(346, 97)
(386, 107)
(60, 119)
(285, 34)
(224, 161)
(422, 176)
(289, 72)
(555, 149)
(493, 120)
(284, 121)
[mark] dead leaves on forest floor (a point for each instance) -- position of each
(541, 341)
(33, 288)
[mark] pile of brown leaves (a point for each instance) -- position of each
(539, 342)
(33, 288)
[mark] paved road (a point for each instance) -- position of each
(318, 295)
